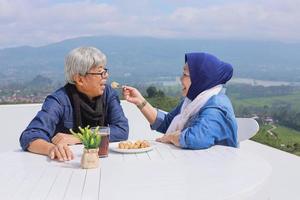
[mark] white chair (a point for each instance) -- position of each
(247, 128)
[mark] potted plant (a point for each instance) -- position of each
(91, 140)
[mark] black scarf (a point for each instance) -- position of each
(86, 111)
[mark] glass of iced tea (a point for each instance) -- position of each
(104, 132)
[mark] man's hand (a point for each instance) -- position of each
(62, 138)
(172, 138)
(61, 152)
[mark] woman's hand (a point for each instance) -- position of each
(62, 138)
(172, 138)
(61, 152)
(132, 95)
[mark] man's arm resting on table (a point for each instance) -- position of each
(40, 146)
(60, 151)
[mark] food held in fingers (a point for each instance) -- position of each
(115, 85)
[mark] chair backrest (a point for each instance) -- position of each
(247, 128)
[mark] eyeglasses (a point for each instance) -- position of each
(103, 74)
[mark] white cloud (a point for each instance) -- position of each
(28, 22)
(237, 20)
(44, 23)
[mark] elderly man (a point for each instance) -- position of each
(84, 100)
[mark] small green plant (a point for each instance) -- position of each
(89, 138)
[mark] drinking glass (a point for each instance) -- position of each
(104, 132)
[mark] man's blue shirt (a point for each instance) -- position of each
(56, 116)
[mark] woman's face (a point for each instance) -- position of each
(185, 80)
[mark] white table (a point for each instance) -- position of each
(164, 173)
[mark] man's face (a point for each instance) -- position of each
(94, 82)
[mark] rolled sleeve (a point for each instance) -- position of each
(26, 139)
(182, 141)
(159, 119)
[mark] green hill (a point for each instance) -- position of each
(283, 138)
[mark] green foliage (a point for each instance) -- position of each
(244, 91)
(89, 138)
(165, 103)
(259, 96)
(282, 103)
(283, 138)
(265, 138)
(293, 100)
(153, 92)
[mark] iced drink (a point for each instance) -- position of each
(103, 148)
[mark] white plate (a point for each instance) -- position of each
(114, 147)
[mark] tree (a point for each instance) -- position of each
(160, 93)
(151, 91)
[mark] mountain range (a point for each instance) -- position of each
(140, 59)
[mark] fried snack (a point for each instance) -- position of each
(115, 85)
(134, 145)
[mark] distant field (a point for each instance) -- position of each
(284, 138)
(293, 100)
(255, 82)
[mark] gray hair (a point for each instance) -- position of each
(81, 60)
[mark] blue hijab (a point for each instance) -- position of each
(206, 71)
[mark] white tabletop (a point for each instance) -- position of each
(164, 173)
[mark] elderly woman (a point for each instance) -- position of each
(205, 117)
(84, 100)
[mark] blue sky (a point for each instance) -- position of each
(40, 22)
